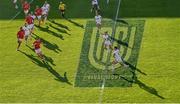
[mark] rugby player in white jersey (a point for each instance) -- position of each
(107, 42)
(27, 31)
(95, 6)
(30, 23)
(15, 4)
(98, 20)
(117, 59)
(45, 10)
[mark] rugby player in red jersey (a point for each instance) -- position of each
(38, 13)
(37, 48)
(30, 21)
(26, 7)
(20, 37)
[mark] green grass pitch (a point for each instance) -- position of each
(147, 32)
(93, 55)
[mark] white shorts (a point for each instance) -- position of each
(44, 13)
(108, 43)
(26, 11)
(27, 33)
(98, 22)
(38, 50)
(39, 17)
(14, 1)
(30, 26)
(118, 59)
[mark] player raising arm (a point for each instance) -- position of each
(37, 48)
(62, 8)
(38, 13)
(26, 7)
(20, 37)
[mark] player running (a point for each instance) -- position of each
(20, 37)
(30, 22)
(26, 7)
(117, 59)
(15, 4)
(38, 13)
(95, 6)
(45, 10)
(107, 41)
(98, 20)
(62, 8)
(37, 48)
(27, 31)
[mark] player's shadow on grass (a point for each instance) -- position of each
(60, 25)
(134, 68)
(46, 65)
(119, 42)
(75, 23)
(48, 59)
(142, 85)
(145, 87)
(122, 21)
(46, 29)
(51, 46)
(59, 30)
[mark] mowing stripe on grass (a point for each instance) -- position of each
(91, 56)
(131, 42)
(109, 54)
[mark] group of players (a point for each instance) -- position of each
(106, 37)
(26, 30)
(41, 14)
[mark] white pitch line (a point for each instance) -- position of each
(14, 16)
(108, 56)
(17, 14)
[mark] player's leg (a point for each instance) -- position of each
(31, 29)
(92, 8)
(63, 13)
(113, 65)
(98, 26)
(15, 4)
(39, 53)
(96, 8)
(45, 18)
(19, 44)
(39, 20)
(107, 1)
(109, 46)
(26, 39)
(42, 18)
